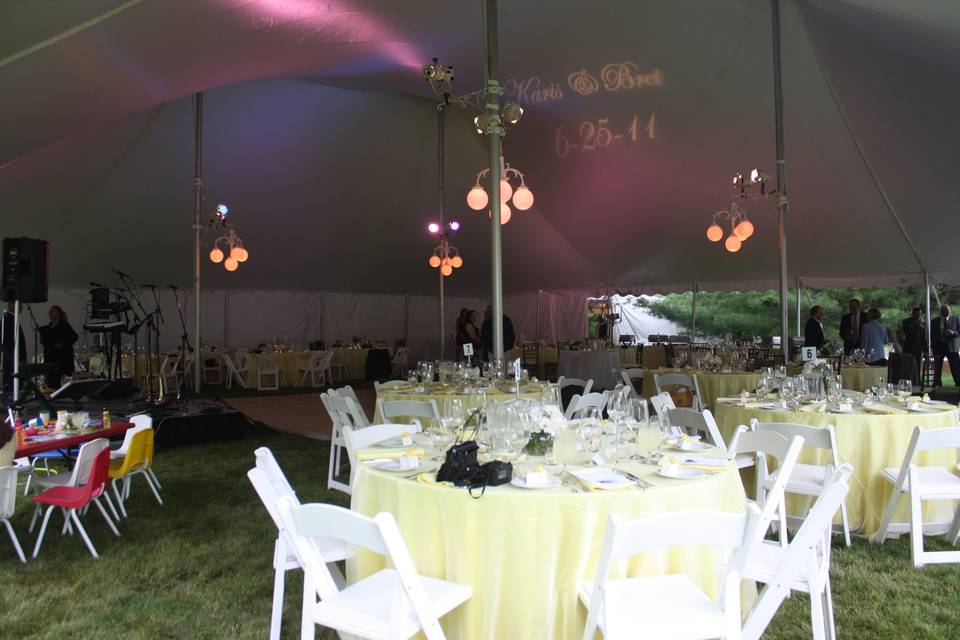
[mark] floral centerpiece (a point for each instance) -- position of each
(817, 366)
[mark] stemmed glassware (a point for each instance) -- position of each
(905, 388)
(591, 430)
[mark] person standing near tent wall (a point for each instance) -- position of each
(914, 331)
(850, 325)
(58, 339)
(813, 330)
(945, 336)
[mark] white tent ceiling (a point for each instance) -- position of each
(322, 136)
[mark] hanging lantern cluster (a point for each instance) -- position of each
(735, 215)
(521, 197)
(446, 257)
(227, 249)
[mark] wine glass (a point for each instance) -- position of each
(905, 388)
(550, 395)
(616, 407)
(591, 429)
(453, 415)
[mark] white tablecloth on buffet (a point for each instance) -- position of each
(603, 367)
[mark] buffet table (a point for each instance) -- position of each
(603, 367)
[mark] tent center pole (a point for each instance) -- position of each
(926, 288)
(799, 287)
(197, 229)
(443, 233)
(493, 92)
(693, 313)
(781, 183)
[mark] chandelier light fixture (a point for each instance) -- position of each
(522, 196)
(752, 189)
(445, 257)
(232, 252)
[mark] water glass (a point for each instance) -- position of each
(591, 429)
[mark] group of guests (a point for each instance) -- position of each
(482, 338)
(863, 330)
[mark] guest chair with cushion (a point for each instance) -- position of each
(91, 474)
(590, 400)
(235, 373)
(395, 602)
(8, 502)
(802, 566)
(921, 483)
(682, 385)
(271, 484)
(672, 605)
(810, 479)
(136, 462)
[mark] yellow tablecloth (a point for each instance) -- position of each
(712, 385)
(289, 364)
(354, 362)
(870, 443)
(524, 552)
(861, 378)
(654, 356)
(530, 391)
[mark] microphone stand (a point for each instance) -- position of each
(153, 336)
(129, 285)
(184, 338)
(36, 334)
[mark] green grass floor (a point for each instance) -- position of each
(200, 566)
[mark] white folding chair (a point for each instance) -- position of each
(563, 382)
(662, 402)
(703, 423)
(235, 373)
(271, 483)
(343, 412)
(579, 402)
(267, 369)
(390, 410)
(356, 439)
(8, 503)
(810, 479)
(170, 373)
(669, 606)
(337, 368)
(770, 497)
(401, 361)
(212, 374)
(802, 566)
(680, 381)
(921, 483)
(392, 603)
(346, 391)
(630, 377)
(317, 369)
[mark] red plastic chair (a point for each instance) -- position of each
(70, 499)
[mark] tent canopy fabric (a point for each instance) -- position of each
(321, 134)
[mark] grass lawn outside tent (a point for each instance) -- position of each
(200, 566)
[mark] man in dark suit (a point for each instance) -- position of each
(850, 325)
(945, 340)
(486, 333)
(813, 330)
(914, 331)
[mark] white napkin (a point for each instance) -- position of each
(605, 479)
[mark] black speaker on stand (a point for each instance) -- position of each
(25, 267)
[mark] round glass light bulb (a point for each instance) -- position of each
(456, 261)
(446, 269)
(235, 253)
(744, 230)
(732, 243)
(216, 255)
(244, 254)
(714, 233)
(230, 264)
(505, 190)
(477, 198)
(434, 261)
(522, 198)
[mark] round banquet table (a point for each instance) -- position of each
(603, 367)
(354, 362)
(713, 385)
(861, 378)
(870, 443)
(530, 391)
(524, 552)
(289, 363)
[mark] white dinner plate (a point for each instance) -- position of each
(521, 482)
(395, 442)
(394, 466)
(694, 446)
(681, 473)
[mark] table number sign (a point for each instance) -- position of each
(808, 353)
(468, 349)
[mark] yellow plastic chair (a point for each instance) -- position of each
(137, 461)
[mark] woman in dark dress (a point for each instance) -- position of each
(58, 338)
(462, 320)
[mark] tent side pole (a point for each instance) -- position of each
(926, 288)
(443, 232)
(781, 183)
(539, 294)
(493, 92)
(197, 229)
(799, 287)
(693, 313)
